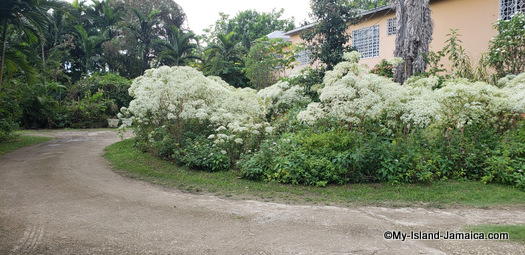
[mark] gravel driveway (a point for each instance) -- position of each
(61, 197)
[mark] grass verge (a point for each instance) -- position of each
(516, 232)
(20, 141)
(133, 163)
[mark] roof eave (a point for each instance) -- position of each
(363, 14)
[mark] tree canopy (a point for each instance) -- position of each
(250, 25)
(328, 39)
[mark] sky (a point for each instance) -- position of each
(203, 13)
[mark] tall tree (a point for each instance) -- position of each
(20, 57)
(266, 60)
(90, 46)
(179, 49)
(144, 31)
(414, 34)
(28, 17)
(251, 25)
(369, 4)
(225, 59)
(328, 39)
(106, 17)
(169, 13)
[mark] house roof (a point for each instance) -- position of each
(278, 35)
(363, 13)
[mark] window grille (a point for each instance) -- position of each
(509, 7)
(391, 28)
(303, 58)
(366, 40)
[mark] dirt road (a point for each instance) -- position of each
(61, 197)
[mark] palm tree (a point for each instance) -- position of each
(19, 56)
(29, 17)
(144, 31)
(89, 44)
(179, 49)
(413, 39)
(225, 59)
(106, 17)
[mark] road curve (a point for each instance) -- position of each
(61, 197)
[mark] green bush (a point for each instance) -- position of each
(201, 154)
(507, 164)
(177, 113)
(114, 86)
(327, 155)
(42, 105)
(384, 68)
(9, 114)
(315, 157)
(92, 111)
(507, 49)
(310, 79)
(365, 128)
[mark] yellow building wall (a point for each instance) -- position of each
(473, 18)
(386, 42)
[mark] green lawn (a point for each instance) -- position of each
(20, 141)
(133, 163)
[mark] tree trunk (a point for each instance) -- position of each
(401, 70)
(4, 45)
(414, 34)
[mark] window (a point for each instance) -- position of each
(391, 26)
(366, 40)
(508, 8)
(303, 58)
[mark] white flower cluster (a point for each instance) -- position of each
(281, 96)
(349, 95)
(313, 112)
(173, 94)
(466, 101)
(395, 61)
(515, 87)
(352, 56)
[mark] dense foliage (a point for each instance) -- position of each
(328, 39)
(230, 56)
(70, 65)
(9, 114)
(365, 127)
(248, 26)
(268, 60)
(87, 103)
(507, 53)
(63, 64)
(199, 121)
(369, 129)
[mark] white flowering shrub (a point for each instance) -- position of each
(369, 128)
(183, 93)
(170, 102)
(515, 88)
(365, 128)
(353, 97)
(281, 97)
